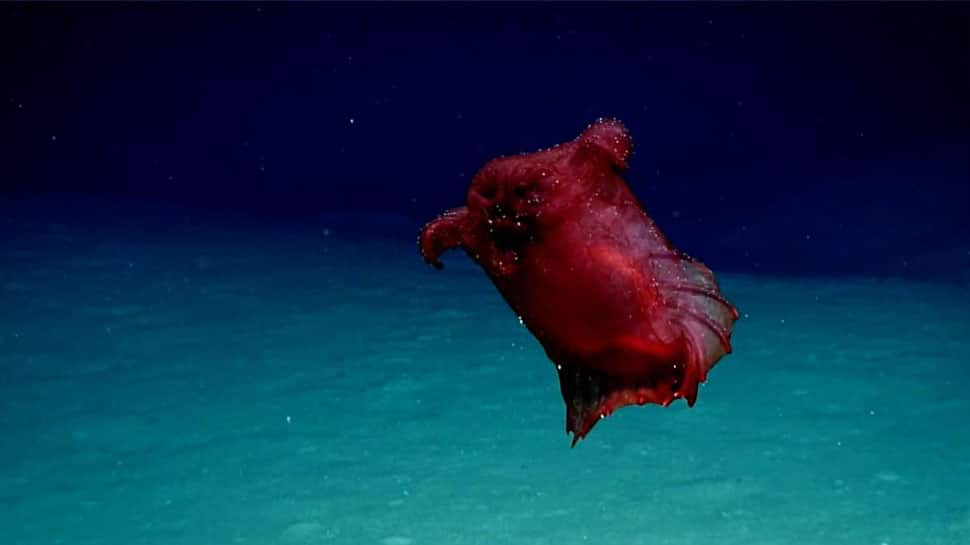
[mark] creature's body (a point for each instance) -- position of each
(626, 318)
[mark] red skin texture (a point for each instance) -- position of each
(625, 317)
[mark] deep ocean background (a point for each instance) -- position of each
(773, 138)
(215, 326)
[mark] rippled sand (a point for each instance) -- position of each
(174, 381)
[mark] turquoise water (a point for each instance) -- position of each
(173, 380)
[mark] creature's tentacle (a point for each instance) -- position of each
(442, 234)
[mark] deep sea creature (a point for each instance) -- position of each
(625, 317)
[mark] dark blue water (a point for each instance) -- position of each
(215, 326)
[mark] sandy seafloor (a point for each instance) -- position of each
(168, 380)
